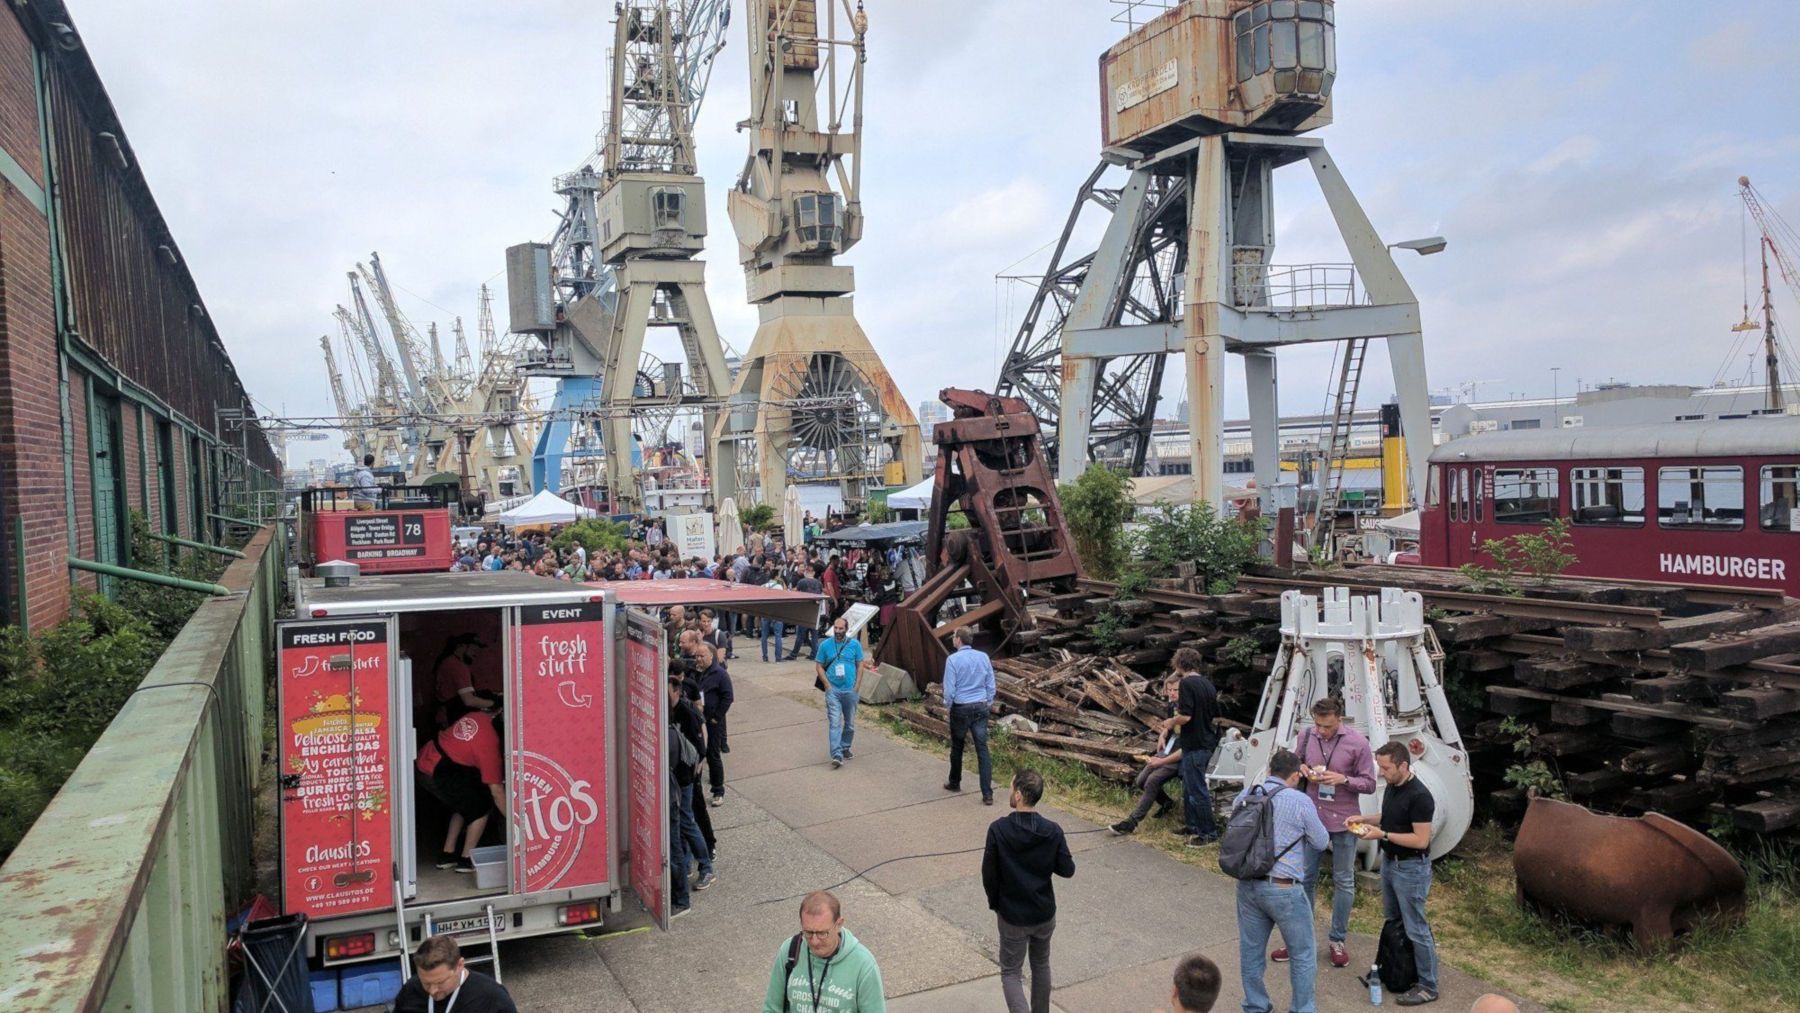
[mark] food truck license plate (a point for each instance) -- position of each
(465, 926)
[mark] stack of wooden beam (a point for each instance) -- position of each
(1639, 696)
(1091, 710)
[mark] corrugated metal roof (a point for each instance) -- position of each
(1772, 435)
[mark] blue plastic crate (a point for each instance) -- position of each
(324, 989)
(371, 986)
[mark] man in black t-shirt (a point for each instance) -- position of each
(1407, 808)
(441, 981)
(1196, 708)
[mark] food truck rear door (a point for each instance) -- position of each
(559, 703)
(335, 717)
(646, 793)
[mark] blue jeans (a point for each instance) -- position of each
(1343, 881)
(840, 718)
(696, 842)
(1405, 883)
(1197, 811)
(970, 720)
(678, 853)
(1262, 907)
(771, 628)
(808, 635)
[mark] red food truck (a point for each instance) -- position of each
(408, 531)
(582, 721)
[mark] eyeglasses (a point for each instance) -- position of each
(820, 934)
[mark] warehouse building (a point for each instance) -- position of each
(116, 392)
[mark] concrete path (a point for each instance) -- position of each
(791, 824)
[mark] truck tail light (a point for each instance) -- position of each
(318, 613)
(360, 944)
(578, 914)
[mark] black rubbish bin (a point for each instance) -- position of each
(274, 967)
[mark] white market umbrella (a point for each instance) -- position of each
(731, 529)
(793, 519)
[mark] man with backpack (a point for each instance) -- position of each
(823, 967)
(1272, 828)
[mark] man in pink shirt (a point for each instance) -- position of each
(1339, 768)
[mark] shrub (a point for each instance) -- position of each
(594, 534)
(759, 517)
(1219, 547)
(1096, 507)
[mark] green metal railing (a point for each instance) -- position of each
(117, 897)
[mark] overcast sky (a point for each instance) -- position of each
(1581, 157)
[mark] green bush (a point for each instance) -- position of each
(58, 691)
(759, 517)
(1096, 507)
(1219, 547)
(595, 535)
(166, 609)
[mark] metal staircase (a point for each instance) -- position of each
(1337, 445)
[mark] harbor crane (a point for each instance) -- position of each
(796, 206)
(624, 256)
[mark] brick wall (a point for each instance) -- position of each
(131, 302)
(31, 461)
(19, 134)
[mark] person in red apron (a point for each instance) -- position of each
(461, 767)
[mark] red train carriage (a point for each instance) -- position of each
(1687, 502)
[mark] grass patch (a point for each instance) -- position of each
(1479, 927)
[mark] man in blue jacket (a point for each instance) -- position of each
(1023, 851)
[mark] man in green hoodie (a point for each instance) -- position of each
(823, 967)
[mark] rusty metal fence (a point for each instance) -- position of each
(117, 898)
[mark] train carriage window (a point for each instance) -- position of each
(1462, 495)
(1607, 497)
(1480, 492)
(1780, 510)
(1524, 495)
(1705, 499)
(1432, 496)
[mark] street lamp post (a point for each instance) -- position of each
(1555, 397)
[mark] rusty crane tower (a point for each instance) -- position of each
(1200, 104)
(813, 398)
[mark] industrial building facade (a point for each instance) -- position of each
(116, 393)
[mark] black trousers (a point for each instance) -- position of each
(715, 745)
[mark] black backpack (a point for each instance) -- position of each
(1394, 955)
(1247, 848)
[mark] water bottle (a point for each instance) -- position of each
(1374, 984)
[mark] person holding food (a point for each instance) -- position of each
(1339, 770)
(1404, 830)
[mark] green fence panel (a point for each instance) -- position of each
(117, 898)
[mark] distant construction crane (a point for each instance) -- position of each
(1780, 242)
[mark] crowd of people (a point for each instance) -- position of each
(1312, 793)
